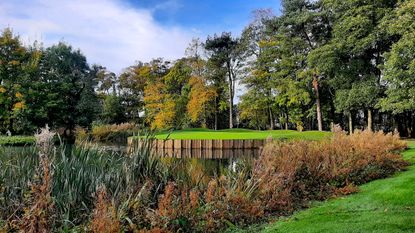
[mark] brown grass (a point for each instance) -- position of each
(38, 216)
(104, 218)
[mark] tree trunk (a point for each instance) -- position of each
(286, 121)
(271, 119)
(216, 113)
(318, 104)
(350, 123)
(231, 93)
(369, 120)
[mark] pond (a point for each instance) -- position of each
(202, 164)
(209, 162)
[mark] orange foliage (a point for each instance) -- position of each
(200, 95)
(104, 219)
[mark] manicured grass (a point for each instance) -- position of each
(16, 140)
(240, 134)
(386, 205)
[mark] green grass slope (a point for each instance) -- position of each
(240, 134)
(386, 205)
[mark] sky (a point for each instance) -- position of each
(117, 33)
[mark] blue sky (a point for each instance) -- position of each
(206, 16)
(117, 33)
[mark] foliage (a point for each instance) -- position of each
(16, 140)
(113, 133)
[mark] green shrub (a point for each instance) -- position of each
(16, 140)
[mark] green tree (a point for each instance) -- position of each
(225, 61)
(15, 61)
(68, 83)
(399, 68)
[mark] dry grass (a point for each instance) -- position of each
(294, 173)
(104, 218)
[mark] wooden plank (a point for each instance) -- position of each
(187, 144)
(169, 144)
(248, 144)
(217, 144)
(196, 144)
(207, 144)
(177, 144)
(227, 144)
(258, 144)
(237, 144)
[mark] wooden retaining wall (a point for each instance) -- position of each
(206, 144)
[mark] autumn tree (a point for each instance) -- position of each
(15, 60)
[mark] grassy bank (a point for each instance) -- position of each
(16, 140)
(386, 205)
(240, 134)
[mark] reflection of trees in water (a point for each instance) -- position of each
(197, 172)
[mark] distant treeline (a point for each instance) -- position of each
(319, 63)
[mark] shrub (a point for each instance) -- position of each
(16, 140)
(113, 133)
(104, 218)
(293, 173)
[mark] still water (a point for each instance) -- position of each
(202, 164)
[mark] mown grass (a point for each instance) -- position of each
(386, 205)
(240, 134)
(16, 140)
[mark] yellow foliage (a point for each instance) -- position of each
(164, 118)
(159, 105)
(19, 95)
(14, 63)
(2, 89)
(18, 106)
(200, 95)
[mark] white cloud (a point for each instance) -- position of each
(108, 32)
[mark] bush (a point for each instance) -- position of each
(293, 173)
(16, 140)
(113, 133)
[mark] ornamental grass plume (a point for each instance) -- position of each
(39, 214)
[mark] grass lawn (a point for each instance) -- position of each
(386, 205)
(240, 134)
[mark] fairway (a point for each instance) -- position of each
(240, 134)
(386, 205)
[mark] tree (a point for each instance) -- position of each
(399, 68)
(304, 21)
(259, 53)
(66, 80)
(15, 61)
(224, 58)
(200, 98)
(354, 53)
(132, 83)
(113, 111)
(166, 98)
